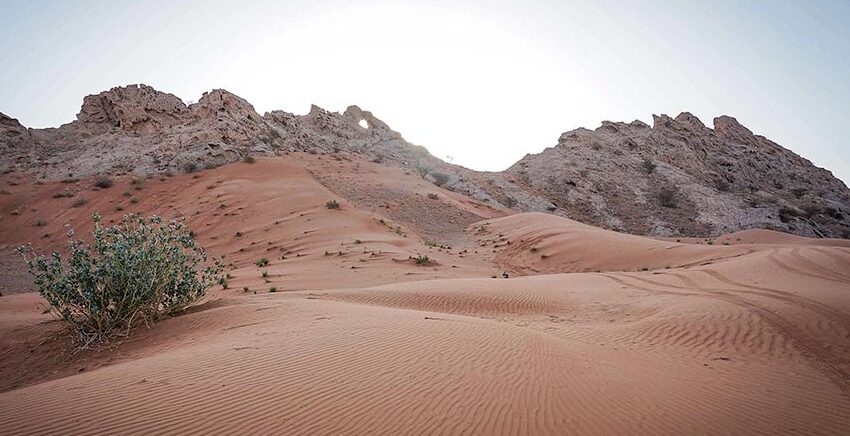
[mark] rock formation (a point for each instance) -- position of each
(677, 177)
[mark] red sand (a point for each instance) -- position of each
(603, 333)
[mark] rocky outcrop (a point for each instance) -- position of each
(140, 130)
(678, 177)
(13, 136)
(137, 109)
(682, 178)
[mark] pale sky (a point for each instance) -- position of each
(484, 82)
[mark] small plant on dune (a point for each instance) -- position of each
(249, 159)
(273, 289)
(433, 196)
(103, 182)
(138, 184)
(265, 274)
(262, 262)
(421, 259)
(135, 272)
(332, 204)
(79, 202)
(134, 200)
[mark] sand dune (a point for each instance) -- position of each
(541, 243)
(607, 334)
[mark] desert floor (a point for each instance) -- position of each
(594, 332)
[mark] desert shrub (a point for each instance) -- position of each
(833, 212)
(648, 166)
(722, 185)
(138, 184)
(421, 259)
(134, 272)
(786, 213)
(433, 196)
(63, 194)
(79, 202)
(134, 200)
(103, 182)
(799, 192)
(811, 210)
(422, 171)
(249, 159)
(273, 289)
(190, 167)
(667, 198)
(440, 179)
(332, 204)
(262, 262)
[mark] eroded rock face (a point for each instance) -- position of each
(141, 130)
(13, 136)
(681, 178)
(138, 109)
(678, 177)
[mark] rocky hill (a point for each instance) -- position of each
(677, 177)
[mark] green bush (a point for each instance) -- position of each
(421, 259)
(333, 204)
(134, 272)
(262, 262)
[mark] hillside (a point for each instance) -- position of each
(675, 178)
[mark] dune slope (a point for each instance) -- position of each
(595, 332)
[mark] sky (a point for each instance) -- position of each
(481, 83)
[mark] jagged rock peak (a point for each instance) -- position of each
(691, 121)
(219, 101)
(134, 108)
(728, 126)
(12, 133)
